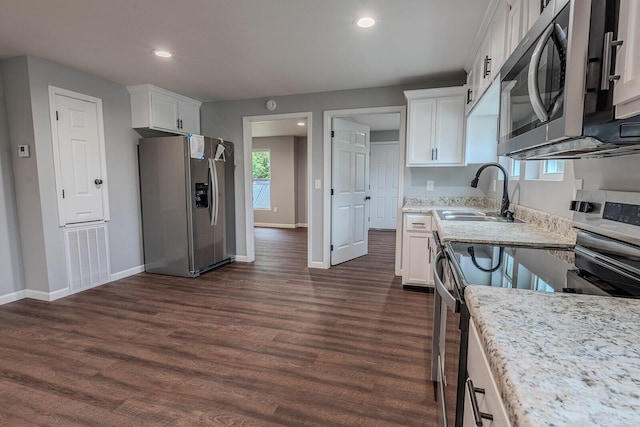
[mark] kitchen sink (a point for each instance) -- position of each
(459, 215)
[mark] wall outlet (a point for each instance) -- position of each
(318, 184)
(429, 185)
(578, 183)
(275, 209)
(23, 151)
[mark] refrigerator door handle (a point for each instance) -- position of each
(214, 196)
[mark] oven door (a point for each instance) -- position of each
(446, 342)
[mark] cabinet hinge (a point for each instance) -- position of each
(332, 191)
(331, 248)
(333, 134)
(57, 118)
(63, 194)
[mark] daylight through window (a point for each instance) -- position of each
(261, 174)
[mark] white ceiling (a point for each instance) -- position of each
(235, 49)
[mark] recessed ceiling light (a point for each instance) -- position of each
(365, 22)
(301, 123)
(162, 53)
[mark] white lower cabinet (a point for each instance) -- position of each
(417, 250)
(481, 390)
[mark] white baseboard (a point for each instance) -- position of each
(46, 296)
(302, 225)
(242, 258)
(269, 225)
(126, 273)
(318, 264)
(13, 296)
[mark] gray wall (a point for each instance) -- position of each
(43, 244)
(282, 181)
(11, 270)
(224, 119)
(300, 155)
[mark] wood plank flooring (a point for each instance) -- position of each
(261, 344)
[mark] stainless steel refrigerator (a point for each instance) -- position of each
(188, 217)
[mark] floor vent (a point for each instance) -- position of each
(87, 256)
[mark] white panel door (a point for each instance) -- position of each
(384, 186)
(80, 164)
(350, 184)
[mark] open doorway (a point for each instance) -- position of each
(277, 180)
(387, 129)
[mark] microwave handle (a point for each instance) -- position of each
(532, 79)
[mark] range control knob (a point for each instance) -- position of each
(580, 206)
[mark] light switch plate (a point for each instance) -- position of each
(429, 185)
(318, 184)
(23, 151)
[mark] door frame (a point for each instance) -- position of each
(53, 91)
(247, 146)
(328, 115)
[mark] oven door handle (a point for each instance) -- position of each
(442, 290)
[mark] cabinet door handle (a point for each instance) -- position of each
(469, 96)
(487, 67)
(477, 415)
(178, 123)
(436, 154)
(433, 150)
(607, 53)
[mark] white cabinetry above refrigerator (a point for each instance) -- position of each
(158, 109)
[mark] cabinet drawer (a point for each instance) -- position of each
(417, 222)
(490, 401)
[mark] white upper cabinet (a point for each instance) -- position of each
(158, 109)
(491, 53)
(626, 92)
(435, 127)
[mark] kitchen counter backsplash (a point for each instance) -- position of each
(544, 220)
(479, 202)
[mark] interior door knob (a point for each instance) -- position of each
(98, 181)
(367, 198)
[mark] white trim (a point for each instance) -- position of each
(302, 225)
(126, 273)
(316, 264)
(53, 91)
(247, 145)
(328, 115)
(46, 296)
(273, 225)
(13, 296)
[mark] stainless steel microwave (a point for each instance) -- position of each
(556, 96)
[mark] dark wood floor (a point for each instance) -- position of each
(267, 343)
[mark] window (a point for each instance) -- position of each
(546, 170)
(261, 174)
(553, 167)
(515, 168)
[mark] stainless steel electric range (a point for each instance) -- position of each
(605, 261)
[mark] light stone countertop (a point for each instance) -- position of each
(560, 359)
(500, 233)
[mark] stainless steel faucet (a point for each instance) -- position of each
(504, 206)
